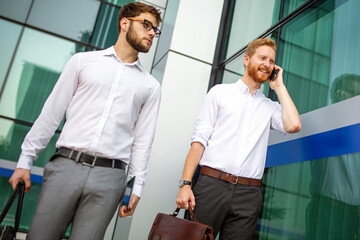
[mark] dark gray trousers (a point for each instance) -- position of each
(71, 192)
(231, 209)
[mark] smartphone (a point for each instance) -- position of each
(272, 75)
(128, 192)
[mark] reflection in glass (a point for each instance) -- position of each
(73, 19)
(286, 194)
(313, 53)
(317, 199)
(119, 2)
(11, 137)
(105, 31)
(35, 70)
(334, 209)
(15, 9)
(7, 46)
(258, 14)
(289, 6)
(29, 204)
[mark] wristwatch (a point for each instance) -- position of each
(183, 182)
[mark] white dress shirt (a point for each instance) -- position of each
(111, 111)
(234, 128)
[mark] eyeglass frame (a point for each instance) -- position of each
(156, 29)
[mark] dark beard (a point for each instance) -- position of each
(131, 37)
(253, 73)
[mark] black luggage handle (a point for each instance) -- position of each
(20, 189)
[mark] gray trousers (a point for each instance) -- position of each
(73, 193)
(231, 209)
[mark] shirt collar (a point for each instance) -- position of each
(243, 88)
(111, 51)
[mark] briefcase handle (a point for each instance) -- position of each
(177, 210)
(20, 189)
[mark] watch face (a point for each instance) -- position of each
(183, 182)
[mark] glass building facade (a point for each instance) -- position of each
(311, 183)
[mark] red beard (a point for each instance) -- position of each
(254, 73)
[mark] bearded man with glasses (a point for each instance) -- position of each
(111, 104)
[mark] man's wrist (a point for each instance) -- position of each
(183, 182)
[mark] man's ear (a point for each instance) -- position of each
(246, 60)
(124, 24)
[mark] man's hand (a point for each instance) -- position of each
(124, 212)
(184, 196)
(278, 81)
(21, 175)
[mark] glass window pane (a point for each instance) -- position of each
(7, 46)
(73, 19)
(15, 9)
(167, 29)
(289, 6)
(318, 47)
(29, 204)
(105, 32)
(159, 69)
(258, 14)
(38, 63)
(119, 2)
(312, 200)
(234, 70)
(11, 137)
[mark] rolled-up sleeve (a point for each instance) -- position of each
(276, 120)
(205, 123)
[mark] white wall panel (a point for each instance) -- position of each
(196, 28)
(184, 86)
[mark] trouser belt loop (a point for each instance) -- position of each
(78, 155)
(71, 153)
(113, 164)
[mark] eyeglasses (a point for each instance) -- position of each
(147, 25)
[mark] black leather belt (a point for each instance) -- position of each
(90, 160)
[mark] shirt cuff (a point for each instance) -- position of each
(200, 140)
(137, 189)
(25, 162)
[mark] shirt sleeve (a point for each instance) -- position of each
(276, 120)
(51, 114)
(205, 123)
(144, 133)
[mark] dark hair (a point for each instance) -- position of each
(258, 43)
(134, 9)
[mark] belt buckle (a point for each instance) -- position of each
(236, 180)
(92, 164)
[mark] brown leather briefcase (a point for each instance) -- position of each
(169, 227)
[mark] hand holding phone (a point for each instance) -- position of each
(273, 74)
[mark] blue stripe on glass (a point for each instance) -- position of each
(336, 142)
(8, 172)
